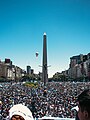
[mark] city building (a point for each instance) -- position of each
(28, 70)
(79, 66)
(9, 71)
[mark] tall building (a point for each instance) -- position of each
(80, 66)
(44, 66)
(32, 71)
(28, 70)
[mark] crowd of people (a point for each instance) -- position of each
(55, 100)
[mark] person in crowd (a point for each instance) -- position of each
(20, 112)
(84, 105)
(76, 112)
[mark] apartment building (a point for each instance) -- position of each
(79, 66)
(9, 71)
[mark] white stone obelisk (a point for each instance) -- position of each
(44, 66)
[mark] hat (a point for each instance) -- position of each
(0, 102)
(21, 110)
(75, 108)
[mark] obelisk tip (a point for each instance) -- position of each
(44, 33)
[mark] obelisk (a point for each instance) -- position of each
(44, 66)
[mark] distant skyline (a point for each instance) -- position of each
(23, 23)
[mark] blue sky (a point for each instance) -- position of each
(23, 23)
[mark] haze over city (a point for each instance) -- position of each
(23, 23)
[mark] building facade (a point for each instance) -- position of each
(79, 66)
(9, 71)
